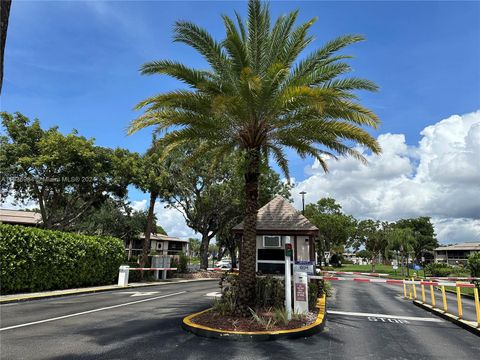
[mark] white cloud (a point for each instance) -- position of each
(170, 219)
(439, 177)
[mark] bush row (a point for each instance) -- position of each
(33, 259)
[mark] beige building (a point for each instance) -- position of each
(159, 244)
(456, 254)
(19, 217)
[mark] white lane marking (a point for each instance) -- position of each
(139, 293)
(89, 311)
(214, 294)
(412, 318)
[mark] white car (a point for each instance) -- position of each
(224, 264)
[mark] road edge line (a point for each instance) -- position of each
(449, 317)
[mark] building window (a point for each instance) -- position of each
(272, 242)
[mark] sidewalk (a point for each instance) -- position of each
(4, 299)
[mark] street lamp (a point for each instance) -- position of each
(303, 201)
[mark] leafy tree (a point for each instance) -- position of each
(402, 241)
(335, 228)
(364, 254)
(150, 175)
(66, 175)
(203, 194)
(194, 246)
(373, 236)
(255, 100)
(474, 265)
(424, 233)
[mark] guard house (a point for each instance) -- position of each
(277, 222)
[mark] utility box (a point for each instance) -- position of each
(123, 275)
(300, 292)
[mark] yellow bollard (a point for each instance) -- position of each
(477, 305)
(414, 290)
(444, 297)
(423, 293)
(404, 289)
(459, 303)
(432, 294)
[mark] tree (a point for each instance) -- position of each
(193, 247)
(150, 177)
(66, 175)
(5, 14)
(203, 194)
(335, 228)
(473, 265)
(373, 236)
(403, 241)
(424, 233)
(256, 100)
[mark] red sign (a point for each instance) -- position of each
(300, 292)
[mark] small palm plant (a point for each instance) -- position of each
(257, 99)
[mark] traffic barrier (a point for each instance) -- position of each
(453, 278)
(353, 273)
(125, 269)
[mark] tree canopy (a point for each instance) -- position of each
(66, 175)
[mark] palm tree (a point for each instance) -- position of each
(257, 99)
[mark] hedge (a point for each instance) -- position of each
(33, 259)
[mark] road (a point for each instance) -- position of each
(145, 324)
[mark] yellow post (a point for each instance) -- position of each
(423, 293)
(410, 294)
(444, 297)
(432, 294)
(404, 289)
(477, 305)
(414, 289)
(459, 303)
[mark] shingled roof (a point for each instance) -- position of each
(280, 215)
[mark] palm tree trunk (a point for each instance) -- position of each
(148, 232)
(247, 276)
(5, 14)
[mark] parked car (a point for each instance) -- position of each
(224, 264)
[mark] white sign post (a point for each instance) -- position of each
(300, 291)
(288, 281)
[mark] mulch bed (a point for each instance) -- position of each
(215, 320)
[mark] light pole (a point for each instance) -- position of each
(303, 201)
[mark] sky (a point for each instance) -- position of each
(75, 64)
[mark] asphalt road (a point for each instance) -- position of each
(366, 321)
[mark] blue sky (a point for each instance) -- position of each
(75, 64)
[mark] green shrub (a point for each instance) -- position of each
(183, 263)
(437, 269)
(473, 265)
(33, 259)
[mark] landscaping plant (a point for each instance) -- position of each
(35, 260)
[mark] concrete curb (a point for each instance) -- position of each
(258, 336)
(67, 292)
(452, 318)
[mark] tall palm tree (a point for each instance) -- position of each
(257, 99)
